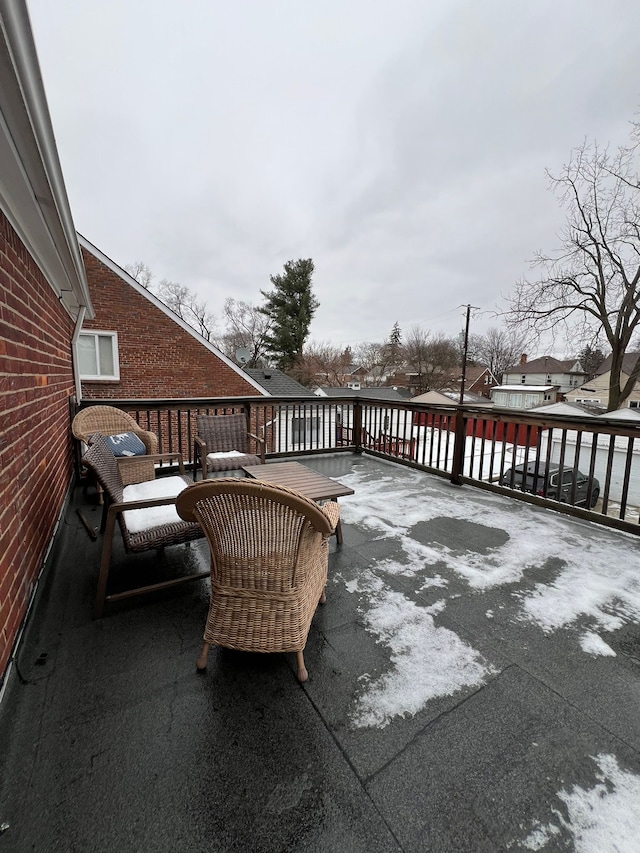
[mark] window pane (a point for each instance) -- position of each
(87, 355)
(105, 350)
(297, 430)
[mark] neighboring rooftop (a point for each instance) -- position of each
(628, 363)
(567, 408)
(277, 383)
(545, 364)
(378, 393)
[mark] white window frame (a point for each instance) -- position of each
(95, 334)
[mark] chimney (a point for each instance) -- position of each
(523, 358)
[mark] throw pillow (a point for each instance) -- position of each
(126, 444)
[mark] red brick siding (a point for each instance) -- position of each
(157, 357)
(36, 380)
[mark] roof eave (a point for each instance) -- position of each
(32, 190)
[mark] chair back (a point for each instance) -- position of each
(107, 420)
(104, 419)
(223, 432)
(258, 533)
(100, 460)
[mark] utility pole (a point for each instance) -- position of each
(465, 346)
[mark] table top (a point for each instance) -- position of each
(295, 476)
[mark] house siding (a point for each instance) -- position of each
(36, 381)
(158, 358)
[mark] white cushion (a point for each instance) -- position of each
(138, 520)
(224, 454)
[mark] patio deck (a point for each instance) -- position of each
(474, 685)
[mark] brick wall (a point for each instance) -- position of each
(157, 357)
(36, 380)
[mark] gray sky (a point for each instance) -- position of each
(401, 145)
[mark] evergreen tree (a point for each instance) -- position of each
(290, 306)
(395, 343)
(590, 360)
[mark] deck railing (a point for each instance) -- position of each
(467, 444)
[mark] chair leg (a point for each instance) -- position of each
(107, 541)
(302, 673)
(201, 663)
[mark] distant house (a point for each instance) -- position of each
(545, 371)
(596, 390)
(342, 376)
(136, 348)
(524, 396)
(478, 380)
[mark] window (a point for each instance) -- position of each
(98, 355)
(305, 430)
(500, 398)
(523, 379)
(634, 404)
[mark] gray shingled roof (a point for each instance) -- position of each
(628, 363)
(544, 364)
(277, 383)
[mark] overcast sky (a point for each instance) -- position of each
(400, 144)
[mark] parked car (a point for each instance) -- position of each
(551, 482)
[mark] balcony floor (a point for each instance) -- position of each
(474, 685)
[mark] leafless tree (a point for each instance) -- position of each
(498, 350)
(323, 363)
(186, 305)
(591, 283)
(372, 358)
(141, 272)
(246, 327)
(432, 358)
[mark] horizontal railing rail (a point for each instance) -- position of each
(596, 461)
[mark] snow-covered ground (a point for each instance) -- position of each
(598, 584)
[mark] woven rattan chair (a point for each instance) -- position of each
(140, 531)
(107, 420)
(222, 444)
(269, 554)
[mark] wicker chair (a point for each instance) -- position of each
(222, 444)
(107, 420)
(140, 531)
(269, 554)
